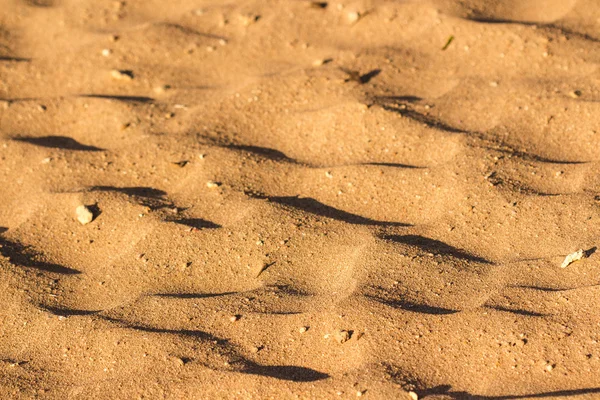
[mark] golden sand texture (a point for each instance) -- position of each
(285, 199)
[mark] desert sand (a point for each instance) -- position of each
(279, 199)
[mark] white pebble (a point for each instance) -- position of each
(84, 215)
(571, 258)
(121, 75)
(213, 184)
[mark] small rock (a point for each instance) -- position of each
(352, 17)
(575, 94)
(161, 89)
(121, 75)
(571, 258)
(321, 61)
(342, 336)
(84, 214)
(413, 395)
(359, 393)
(235, 318)
(106, 52)
(303, 329)
(213, 184)
(550, 367)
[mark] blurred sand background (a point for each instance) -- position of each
(296, 199)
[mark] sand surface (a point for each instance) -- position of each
(295, 199)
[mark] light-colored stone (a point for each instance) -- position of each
(342, 336)
(84, 214)
(571, 258)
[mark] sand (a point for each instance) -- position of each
(294, 199)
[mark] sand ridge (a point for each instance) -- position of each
(299, 199)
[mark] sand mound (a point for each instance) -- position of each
(304, 199)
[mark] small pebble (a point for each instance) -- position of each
(342, 336)
(213, 184)
(575, 94)
(106, 52)
(84, 214)
(161, 89)
(549, 367)
(235, 318)
(121, 75)
(359, 393)
(413, 395)
(46, 160)
(352, 17)
(303, 329)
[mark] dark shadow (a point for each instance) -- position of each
(149, 197)
(139, 191)
(446, 390)
(516, 186)
(193, 295)
(525, 313)
(14, 59)
(550, 289)
(414, 307)
(539, 25)
(190, 31)
(126, 99)
(313, 206)
(427, 120)
(355, 76)
(318, 4)
(285, 372)
(3, 229)
(26, 257)
(95, 210)
(57, 142)
(392, 165)
(266, 152)
(197, 223)
(487, 20)
(193, 334)
(435, 246)
(279, 312)
(589, 252)
(396, 99)
(533, 157)
(68, 312)
(281, 288)
(39, 3)
(277, 155)
(365, 78)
